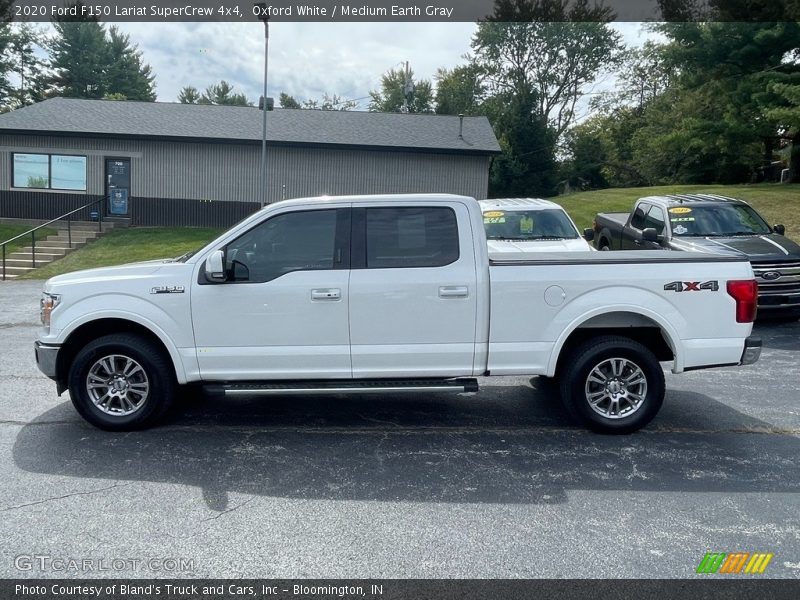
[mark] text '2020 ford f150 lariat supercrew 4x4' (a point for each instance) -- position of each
(390, 293)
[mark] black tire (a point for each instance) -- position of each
(155, 371)
(575, 386)
(604, 246)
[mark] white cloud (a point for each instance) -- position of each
(308, 59)
(305, 59)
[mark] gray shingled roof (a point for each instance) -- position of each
(235, 123)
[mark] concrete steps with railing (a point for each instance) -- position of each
(53, 247)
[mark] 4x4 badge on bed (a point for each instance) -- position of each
(691, 286)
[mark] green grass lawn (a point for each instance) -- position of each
(9, 231)
(128, 245)
(777, 203)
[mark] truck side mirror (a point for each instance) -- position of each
(588, 234)
(779, 229)
(215, 266)
(649, 234)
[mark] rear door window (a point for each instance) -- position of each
(407, 237)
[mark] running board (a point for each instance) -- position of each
(345, 386)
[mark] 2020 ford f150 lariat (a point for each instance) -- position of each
(714, 225)
(389, 293)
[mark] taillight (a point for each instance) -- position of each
(745, 292)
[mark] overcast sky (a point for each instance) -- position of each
(305, 59)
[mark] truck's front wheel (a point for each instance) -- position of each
(612, 384)
(121, 382)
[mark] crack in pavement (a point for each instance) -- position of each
(229, 510)
(86, 493)
(27, 423)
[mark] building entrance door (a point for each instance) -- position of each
(118, 186)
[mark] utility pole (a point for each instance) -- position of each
(408, 89)
(264, 17)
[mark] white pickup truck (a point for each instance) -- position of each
(394, 293)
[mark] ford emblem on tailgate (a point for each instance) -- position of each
(771, 275)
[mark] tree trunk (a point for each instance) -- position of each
(794, 159)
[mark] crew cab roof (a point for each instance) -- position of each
(681, 199)
(517, 204)
(366, 198)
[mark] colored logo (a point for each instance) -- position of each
(735, 562)
(680, 210)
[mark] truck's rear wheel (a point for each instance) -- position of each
(612, 384)
(122, 382)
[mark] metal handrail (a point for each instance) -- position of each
(32, 232)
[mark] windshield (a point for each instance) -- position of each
(717, 219)
(547, 224)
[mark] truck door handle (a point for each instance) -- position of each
(326, 294)
(453, 291)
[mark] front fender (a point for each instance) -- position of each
(169, 325)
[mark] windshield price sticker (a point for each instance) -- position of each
(494, 216)
(680, 219)
(526, 224)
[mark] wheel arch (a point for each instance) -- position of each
(92, 329)
(636, 323)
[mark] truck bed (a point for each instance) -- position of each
(620, 218)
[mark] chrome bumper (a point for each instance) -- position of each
(46, 358)
(752, 351)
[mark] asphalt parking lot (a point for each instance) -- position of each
(495, 485)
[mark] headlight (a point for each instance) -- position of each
(46, 306)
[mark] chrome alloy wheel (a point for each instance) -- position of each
(117, 385)
(616, 388)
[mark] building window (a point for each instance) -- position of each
(67, 172)
(49, 171)
(32, 170)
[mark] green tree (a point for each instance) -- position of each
(127, 74)
(459, 91)
(79, 59)
(725, 76)
(189, 95)
(223, 93)
(554, 61)
(5, 41)
(89, 62)
(527, 165)
(327, 102)
(399, 91)
(538, 56)
(287, 101)
(644, 75)
(601, 153)
(788, 118)
(28, 69)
